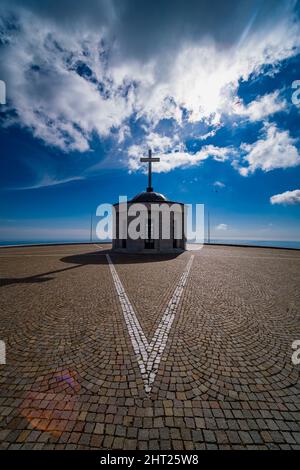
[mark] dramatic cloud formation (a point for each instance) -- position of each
(76, 72)
(286, 198)
(275, 150)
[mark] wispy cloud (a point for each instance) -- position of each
(47, 182)
(222, 227)
(219, 184)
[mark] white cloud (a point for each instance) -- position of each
(203, 78)
(199, 72)
(261, 107)
(57, 104)
(222, 227)
(219, 184)
(47, 181)
(276, 149)
(208, 134)
(123, 133)
(286, 198)
(173, 154)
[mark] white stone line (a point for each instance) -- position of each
(138, 339)
(159, 340)
(149, 355)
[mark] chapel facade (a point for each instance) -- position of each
(161, 225)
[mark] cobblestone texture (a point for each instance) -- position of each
(225, 379)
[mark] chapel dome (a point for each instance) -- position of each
(149, 196)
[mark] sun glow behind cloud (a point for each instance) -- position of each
(69, 82)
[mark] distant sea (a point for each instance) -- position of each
(45, 242)
(271, 243)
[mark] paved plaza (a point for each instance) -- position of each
(118, 351)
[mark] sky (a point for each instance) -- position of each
(212, 87)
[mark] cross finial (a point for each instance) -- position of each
(150, 160)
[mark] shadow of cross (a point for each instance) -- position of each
(35, 278)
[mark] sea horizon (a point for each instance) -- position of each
(248, 242)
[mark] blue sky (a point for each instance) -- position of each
(209, 89)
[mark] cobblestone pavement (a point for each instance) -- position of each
(224, 379)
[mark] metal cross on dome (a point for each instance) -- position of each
(150, 160)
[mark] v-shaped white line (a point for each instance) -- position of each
(149, 354)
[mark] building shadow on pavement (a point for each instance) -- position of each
(84, 259)
(99, 257)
